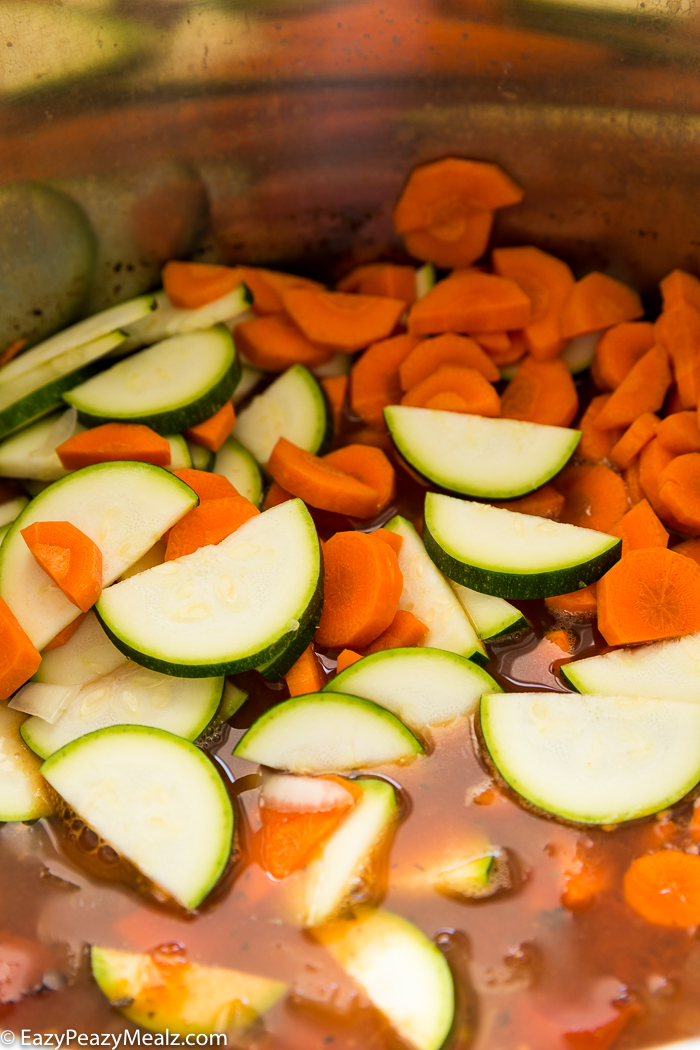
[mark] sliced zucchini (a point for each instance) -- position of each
(236, 463)
(403, 973)
(670, 669)
(168, 320)
(225, 608)
(86, 656)
(189, 999)
(23, 794)
(202, 458)
(320, 733)
(124, 507)
(293, 407)
(232, 699)
(276, 667)
(478, 456)
(425, 279)
(4, 529)
(130, 695)
(31, 453)
(593, 759)
(11, 509)
(427, 594)
(513, 555)
(154, 556)
(180, 457)
(250, 377)
(46, 701)
(422, 687)
(168, 387)
(156, 798)
(478, 878)
(492, 617)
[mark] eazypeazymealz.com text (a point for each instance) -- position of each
(115, 1040)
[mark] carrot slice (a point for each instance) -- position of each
(541, 392)
(618, 350)
(654, 458)
(207, 485)
(447, 349)
(584, 881)
(69, 557)
(579, 605)
(642, 390)
(596, 444)
(547, 282)
(374, 378)
(563, 639)
(212, 432)
(321, 484)
(492, 342)
(273, 343)
(209, 523)
(268, 287)
(114, 441)
(595, 496)
(363, 584)
(449, 401)
(433, 246)
(289, 840)
(678, 331)
(20, 658)
(604, 1035)
(304, 676)
(377, 438)
(470, 301)
(190, 284)
(648, 595)
(336, 388)
(635, 492)
(275, 495)
(342, 321)
(640, 528)
(346, 659)
(664, 888)
(393, 539)
(638, 434)
(66, 634)
(680, 433)
(368, 465)
(404, 631)
(596, 302)
(546, 502)
(513, 348)
(382, 278)
(689, 549)
(478, 396)
(679, 491)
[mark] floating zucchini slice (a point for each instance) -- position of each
(293, 407)
(479, 878)
(670, 669)
(493, 618)
(23, 794)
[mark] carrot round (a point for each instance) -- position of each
(447, 349)
(66, 634)
(478, 396)
(678, 330)
(342, 321)
(679, 287)
(206, 484)
(20, 658)
(268, 286)
(492, 342)
(503, 348)
(444, 245)
(404, 631)
(368, 465)
(377, 438)
(642, 390)
(630, 444)
(541, 392)
(618, 350)
(336, 388)
(470, 301)
(546, 502)
(595, 496)
(212, 432)
(189, 284)
(598, 301)
(640, 528)
(548, 283)
(664, 888)
(363, 584)
(347, 658)
(680, 433)
(579, 605)
(648, 595)
(449, 401)
(382, 278)
(209, 523)
(273, 343)
(392, 538)
(679, 490)
(304, 676)
(596, 444)
(114, 441)
(320, 484)
(374, 378)
(69, 557)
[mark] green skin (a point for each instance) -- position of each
(41, 401)
(279, 665)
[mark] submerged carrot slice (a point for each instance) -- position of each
(66, 634)
(346, 659)
(638, 434)
(363, 584)
(382, 278)
(404, 631)
(342, 321)
(20, 658)
(678, 331)
(209, 523)
(69, 557)
(374, 378)
(679, 490)
(470, 301)
(12, 350)
(596, 444)
(618, 350)
(114, 441)
(640, 528)
(368, 465)
(680, 433)
(664, 888)
(450, 401)
(321, 484)
(541, 392)
(546, 502)
(649, 595)
(595, 496)
(584, 881)
(448, 349)
(604, 1035)
(305, 675)
(579, 605)
(642, 390)
(548, 283)
(596, 302)
(190, 284)
(476, 394)
(268, 287)
(335, 388)
(273, 343)
(207, 485)
(212, 432)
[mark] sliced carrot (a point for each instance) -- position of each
(640, 528)
(20, 658)
(273, 343)
(470, 301)
(368, 465)
(374, 378)
(664, 888)
(336, 388)
(289, 840)
(377, 438)
(209, 523)
(66, 634)
(689, 549)
(596, 444)
(342, 321)
(392, 538)
(673, 402)
(579, 605)
(190, 284)
(618, 350)
(363, 584)
(541, 392)
(114, 441)
(207, 485)
(383, 278)
(404, 631)
(649, 595)
(604, 1035)
(564, 640)
(513, 352)
(492, 342)
(546, 502)
(275, 495)
(448, 349)
(477, 394)
(595, 496)
(346, 659)
(679, 491)
(678, 331)
(321, 484)
(547, 282)
(433, 246)
(584, 881)
(630, 444)
(679, 287)
(449, 401)
(642, 390)
(305, 675)
(212, 432)
(598, 301)
(654, 458)
(69, 557)
(635, 492)
(680, 433)
(268, 287)
(12, 350)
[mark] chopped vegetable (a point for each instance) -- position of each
(598, 301)
(541, 392)
(650, 594)
(664, 888)
(20, 658)
(212, 432)
(467, 388)
(548, 283)
(470, 301)
(640, 528)
(618, 350)
(305, 675)
(273, 343)
(595, 496)
(396, 282)
(69, 557)
(428, 355)
(680, 433)
(642, 390)
(114, 441)
(323, 485)
(209, 523)
(638, 434)
(189, 285)
(374, 378)
(342, 321)
(596, 444)
(679, 491)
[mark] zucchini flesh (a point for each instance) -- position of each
(11, 509)
(180, 457)
(670, 669)
(235, 462)
(31, 453)
(492, 617)
(202, 458)
(23, 794)
(168, 320)
(293, 407)
(250, 377)
(86, 656)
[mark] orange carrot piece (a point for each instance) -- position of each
(273, 343)
(12, 350)
(343, 321)
(377, 438)
(404, 631)
(347, 658)
(212, 432)
(632, 483)
(368, 465)
(321, 484)
(595, 496)
(304, 676)
(514, 349)
(630, 444)
(649, 595)
(290, 839)
(20, 658)
(448, 349)
(679, 491)
(618, 350)
(492, 342)
(579, 605)
(374, 378)
(432, 245)
(596, 444)
(642, 390)
(336, 388)
(114, 441)
(470, 301)
(69, 557)
(678, 331)
(65, 635)
(382, 278)
(190, 284)
(680, 433)
(604, 1035)
(207, 485)
(653, 459)
(640, 528)
(598, 301)
(209, 523)
(689, 549)
(562, 639)
(679, 287)
(479, 396)
(268, 287)
(392, 538)
(664, 888)
(546, 502)
(584, 881)
(449, 401)
(275, 495)
(547, 282)
(541, 392)
(363, 584)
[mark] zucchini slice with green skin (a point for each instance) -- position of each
(124, 507)
(422, 687)
(428, 595)
(236, 463)
(169, 387)
(250, 377)
(277, 667)
(293, 407)
(11, 509)
(4, 529)
(513, 555)
(86, 656)
(670, 669)
(202, 458)
(31, 452)
(478, 456)
(225, 608)
(593, 759)
(23, 794)
(494, 618)
(168, 320)
(180, 457)
(156, 798)
(403, 973)
(322, 733)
